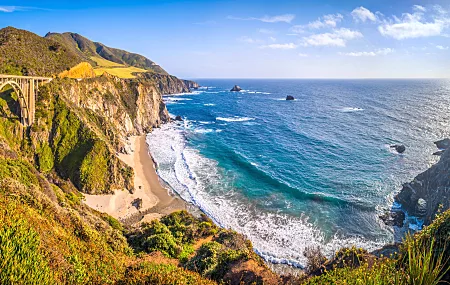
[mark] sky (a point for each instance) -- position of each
(259, 39)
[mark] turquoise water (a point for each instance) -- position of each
(314, 171)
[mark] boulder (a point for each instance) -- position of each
(236, 88)
(443, 144)
(290, 98)
(393, 218)
(178, 118)
(399, 148)
(137, 203)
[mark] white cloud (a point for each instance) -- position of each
(9, 9)
(287, 18)
(266, 31)
(303, 55)
(442, 47)
(414, 25)
(338, 37)
(330, 20)
(419, 8)
(439, 9)
(272, 39)
(280, 46)
(298, 29)
(363, 14)
(383, 51)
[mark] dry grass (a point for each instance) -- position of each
(125, 72)
(101, 62)
(81, 70)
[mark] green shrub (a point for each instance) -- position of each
(206, 259)
(94, 167)
(422, 265)
(186, 253)
(165, 243)
(45, 158)
(114, 223)
(21, 259)
(161, 274)
(19, 170)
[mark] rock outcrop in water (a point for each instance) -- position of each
(399, 148)
(236, 88)
(429, 192)
(290, 98)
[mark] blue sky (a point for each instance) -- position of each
(259, 39)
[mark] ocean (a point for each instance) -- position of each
(316, 171)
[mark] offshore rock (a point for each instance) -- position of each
(290, 98)
(399, 148)
(236, 88)
(178, 118)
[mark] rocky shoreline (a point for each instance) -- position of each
(426, 195)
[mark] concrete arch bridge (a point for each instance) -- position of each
(26, 88)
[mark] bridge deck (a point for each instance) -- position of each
(25, 77)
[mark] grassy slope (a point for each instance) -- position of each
(47, 235)
(94, 50)
(121, 72)
(25, 53)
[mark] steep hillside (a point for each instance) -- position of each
(25, 53)
(88, 49)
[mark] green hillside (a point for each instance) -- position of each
(87, 49)
(25, 53)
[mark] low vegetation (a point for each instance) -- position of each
(121, 72)
(48, 236)
(25, 53)
(81, 70)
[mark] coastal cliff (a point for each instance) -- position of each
(48, 235)
(169, 84)
(429, 192)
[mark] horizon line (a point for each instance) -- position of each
(316, 78)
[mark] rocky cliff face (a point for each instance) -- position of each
(129, 107)
(169, 84)
(191, 84)
(429, 192)
(81, 124)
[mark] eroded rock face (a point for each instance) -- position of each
(429, 191)
(130, 107)
(169, 84)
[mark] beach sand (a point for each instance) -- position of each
(156, 200)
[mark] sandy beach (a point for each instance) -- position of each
(156, 200)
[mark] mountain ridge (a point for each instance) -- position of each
(88, 49)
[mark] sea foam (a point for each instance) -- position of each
(235, 119)
(276, 237)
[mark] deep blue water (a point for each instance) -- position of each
(314, 171)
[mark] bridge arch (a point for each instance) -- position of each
(24, 108)
(26, 88)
